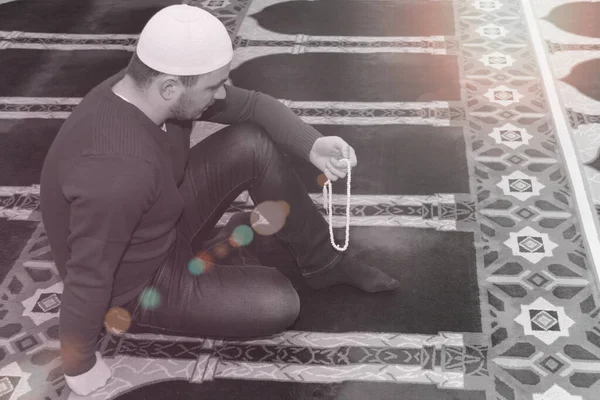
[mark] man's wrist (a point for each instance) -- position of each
(313, 153)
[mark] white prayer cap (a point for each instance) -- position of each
(184, 40)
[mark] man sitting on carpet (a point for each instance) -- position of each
(127, 204)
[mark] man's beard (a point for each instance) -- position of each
(182, 111)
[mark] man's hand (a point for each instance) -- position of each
(88, 382)
(326, 154)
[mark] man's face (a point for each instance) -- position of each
(195, 100)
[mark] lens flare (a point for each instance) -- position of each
(207, 261)
(241, 236)
(150, 298)
(321, 179)
(269, 217)
(221, 250)
(196, 266)
(71, 348)
(117, 321)
(285, 207)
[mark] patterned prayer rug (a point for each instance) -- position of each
(571, 31)
(462, 192)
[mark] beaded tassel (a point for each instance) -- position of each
(328, 204)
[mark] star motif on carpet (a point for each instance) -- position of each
(487, 5)
(556, 393)
(13, 382)
(44, 304)
(545, 321)
(520, 185)
(531, 244)
(497, 60)
(492, 31)
(503, 95)
(511, 136)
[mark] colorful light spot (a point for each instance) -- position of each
(242, 236)
(196, 266)
(206, 257)
(71, 348)
(221, 250)
(285, 207)
(117, 321)
(269, 217)
(150, 298)
(321, 179)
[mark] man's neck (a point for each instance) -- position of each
(127, 90)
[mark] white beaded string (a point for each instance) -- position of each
(328, 204)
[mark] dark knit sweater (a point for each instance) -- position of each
(110, 200)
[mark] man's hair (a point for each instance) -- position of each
(143, 75)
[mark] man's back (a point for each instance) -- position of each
(109, 203)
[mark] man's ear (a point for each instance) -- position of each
(168, 87)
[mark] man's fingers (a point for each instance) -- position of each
(330, 175)
(352, 157)
(349, 154)
(346, 150)
(342, 165)
(334, 170)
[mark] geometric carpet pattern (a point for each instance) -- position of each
(573, 42)
(538, 295)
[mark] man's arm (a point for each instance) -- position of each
(108, 196)
(285, 127)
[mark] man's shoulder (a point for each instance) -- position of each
(103, 129)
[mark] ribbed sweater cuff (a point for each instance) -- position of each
(303, 142)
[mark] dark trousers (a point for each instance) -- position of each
(243, 300)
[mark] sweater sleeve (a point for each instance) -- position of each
(281, 123)
(108, 196)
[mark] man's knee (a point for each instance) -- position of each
(249, 146)
(279, 305)
(250, 136)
